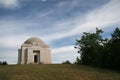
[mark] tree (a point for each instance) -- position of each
(115, 48)
(78, 61)
(100, 52)
(90, 47)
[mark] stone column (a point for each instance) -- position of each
(19, 56)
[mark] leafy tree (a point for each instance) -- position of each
(115, 48)
(100, 52)
(91, 45)
(78, 61)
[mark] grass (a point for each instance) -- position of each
(56, 72)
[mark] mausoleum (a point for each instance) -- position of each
(34, 51)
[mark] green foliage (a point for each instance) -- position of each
(114, 44)
(66, 62)
(0, 63)
(3, 63)
(78, 61)
(97, 51)
(90, 46)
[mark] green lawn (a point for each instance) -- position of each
(56, 72)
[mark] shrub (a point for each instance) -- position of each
(0, 63)
(66, 62)
(4, 63)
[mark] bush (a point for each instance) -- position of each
(66, 62)
(3, 63)
(78, 61)
(0, 63)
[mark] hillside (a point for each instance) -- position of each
(56, 72)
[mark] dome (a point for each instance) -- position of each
(35, 41)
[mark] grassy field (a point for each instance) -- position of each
(56, 72)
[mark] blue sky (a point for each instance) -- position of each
(57, 22)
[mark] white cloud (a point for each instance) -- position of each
(9, 3)
(9, 56)
(11, 41)
(15, 41)
(43, 0)
(100, 17)
(64, 53)
(67, 5)
(63, 49)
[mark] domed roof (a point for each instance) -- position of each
(35, 41)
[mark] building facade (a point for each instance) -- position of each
(34, 51)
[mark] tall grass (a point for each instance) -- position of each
(56, 72)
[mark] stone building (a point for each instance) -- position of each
(34, 51)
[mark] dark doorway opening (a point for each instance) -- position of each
(35, 58)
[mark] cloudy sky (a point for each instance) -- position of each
(57, 22)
